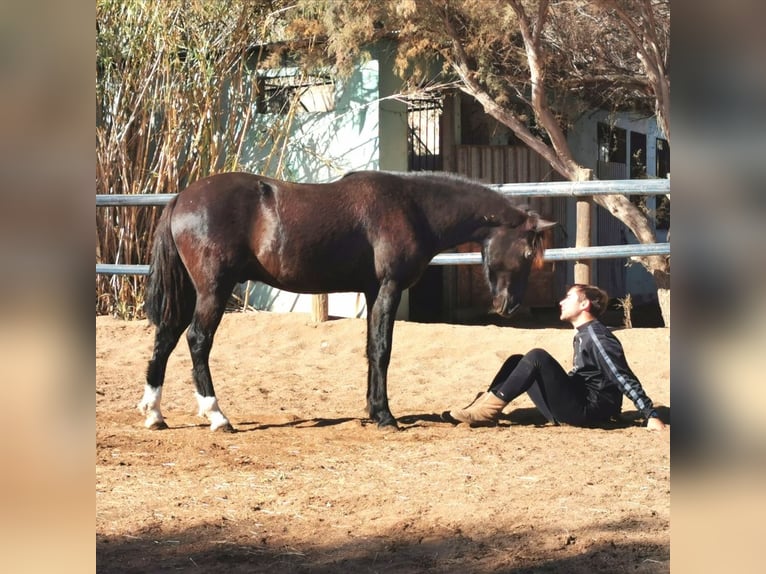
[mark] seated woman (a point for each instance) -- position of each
(589, 395)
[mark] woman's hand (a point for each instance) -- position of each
(655, 424)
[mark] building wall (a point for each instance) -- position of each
(363, 132)
(321, 146)
(392, 117)
(583, 141)
(583, 137)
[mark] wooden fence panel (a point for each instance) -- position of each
(506, 164)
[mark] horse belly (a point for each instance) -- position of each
(323, 276)
(313, 271)
(309, 246)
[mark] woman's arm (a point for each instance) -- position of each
(610, 357)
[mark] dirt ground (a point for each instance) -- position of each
(308, 484)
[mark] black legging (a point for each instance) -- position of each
(560, 397)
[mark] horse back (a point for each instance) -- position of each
(358, 229)
(302, 237)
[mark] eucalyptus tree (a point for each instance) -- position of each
(534, 66)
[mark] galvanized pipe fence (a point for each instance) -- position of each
(547, 189)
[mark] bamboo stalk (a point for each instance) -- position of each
(163, 71)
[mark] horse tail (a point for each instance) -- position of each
(169, 290)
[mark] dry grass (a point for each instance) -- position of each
(626, 304)
(175, 100)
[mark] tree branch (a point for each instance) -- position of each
(537, 76)
(644, 37)
(460, 63)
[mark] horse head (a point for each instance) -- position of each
(508, 255)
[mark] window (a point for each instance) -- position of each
(638, 170)
(663, 158)
(637, 155)
(423, 123)
(662, 215)
(278, 91)
(612, 144)
(663, 170)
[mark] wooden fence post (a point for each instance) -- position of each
(582, 268)
(320, 308)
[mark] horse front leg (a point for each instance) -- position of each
(381, 311)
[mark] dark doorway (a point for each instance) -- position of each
(424, 154)
(424, 140)
(637, 155)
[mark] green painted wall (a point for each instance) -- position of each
(365, 131)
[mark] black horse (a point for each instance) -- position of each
(369, 232)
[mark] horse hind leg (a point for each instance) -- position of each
(207, 317)
(165, 340)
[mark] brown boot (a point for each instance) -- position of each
(483, 412)
(476, 398)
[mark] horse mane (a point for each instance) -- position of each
(455, 179)
(538, 244)
(537, 241)
(437, 177)
(431, 175)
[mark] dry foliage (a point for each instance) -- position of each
(174, 102)
(534, 66)
(175, 87)
(626, 304)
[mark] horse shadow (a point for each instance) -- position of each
(525, 416)
(409, 421)
(250, 426)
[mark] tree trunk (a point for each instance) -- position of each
(558, 152)
(658, 265)
(662, 279)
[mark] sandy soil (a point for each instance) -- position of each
(308, 484)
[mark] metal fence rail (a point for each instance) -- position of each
(547, 189)
(553, 254)
(584, 188)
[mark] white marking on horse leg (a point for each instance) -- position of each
(150, 406)
(208, 407)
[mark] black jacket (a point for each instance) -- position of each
(600, 361)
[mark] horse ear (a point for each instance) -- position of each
(543, 224)
(536, 223)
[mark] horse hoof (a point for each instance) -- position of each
(224, 428)
(158, 425)
(388, 425)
